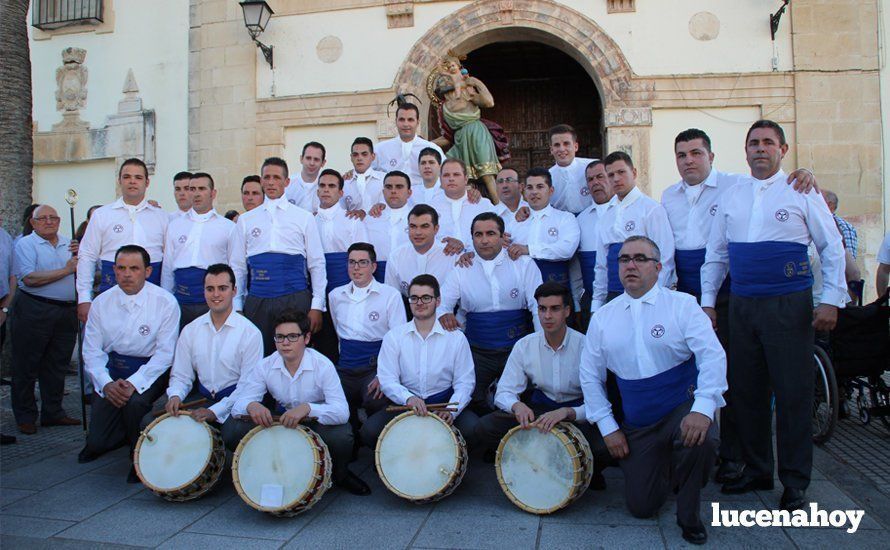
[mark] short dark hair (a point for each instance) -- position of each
(253, 178)
(424, 209)
(363, 247)
(593, 163)
(332, 172)
(197, 175)
(133, 161)
(362, 141)
(488, 216)
(552, 288)
(452, 160)
(397, 174)
(426, 280)
(646, 240)
(615, 156)
(767, 124)
(218, 269)
(539, 172)
(430, 152)
(317, 145)
(292, 316)
(410, 107)
(182, 176)
(232, 214)
(562, 129)
(134, 249)
(275, 161)
(691, 134)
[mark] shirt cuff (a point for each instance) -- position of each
(595, 305)
(708, 299)
(579, 413)
(318, 303)
(607, 425)
(173, 393)
(99, 385)
(704, 406)
(219, 409)
(834, 298)
(138, 380)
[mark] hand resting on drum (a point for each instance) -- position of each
(523, 414)
(546, 421)
(447, 416)
(172, 406)
(293, 417)
(259, 414)
(203, 415)
(417, 405)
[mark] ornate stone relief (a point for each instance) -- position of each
(399, 13)
(71, 91)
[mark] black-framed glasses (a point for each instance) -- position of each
(359, 263)
(292, 337)
(636, 258)
(47, 219)
(425, 299)
(507, 180)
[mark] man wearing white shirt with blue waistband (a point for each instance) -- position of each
(128, 220)
(388, 229)
(365, 188)
(760, 236)
(302, 187)
(424, 254)
(429, 164)
(509, 196)
(671, 373)
(601, 192)
(403, 151)
(182, 194)
(280, 243)
(200, 238)
(568, 174)
(456, 210)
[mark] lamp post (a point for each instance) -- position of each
(256, 16)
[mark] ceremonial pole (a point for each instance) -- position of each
(71, 199)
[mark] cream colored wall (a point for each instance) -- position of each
(884, 83)
(337, 139)
(93, 181)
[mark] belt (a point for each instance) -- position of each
(50, 301)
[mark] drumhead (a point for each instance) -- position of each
(275, 467)
(417, 456)
(536, 469)
(177, 453)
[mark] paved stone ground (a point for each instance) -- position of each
(48, 500)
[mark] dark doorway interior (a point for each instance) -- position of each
(536, 87)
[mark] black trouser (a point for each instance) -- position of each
(326, 341)
(465, 423)
(190, 312)
(489, 366)
(111, 426)
(338, 438)
(355, 387)
(262, 312)
(659, 462)
(771, 349)
(43, 337)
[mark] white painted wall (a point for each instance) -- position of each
(93, 181)
(337, 140)
(151, 37)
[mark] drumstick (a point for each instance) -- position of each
(433, 407)
(190, 404)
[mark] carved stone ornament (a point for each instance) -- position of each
(628, 116)
(71, 79)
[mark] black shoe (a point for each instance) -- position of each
(353, 484)
(489, 456)
(745, 485)
(793, 499)
(132, 476)
(729, 471)
(7, 439)
(597, 482)
(694, 535)
(86, 455)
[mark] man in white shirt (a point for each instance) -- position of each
(301, 188)
(421, 363)
(509, 196)
(429, 164)
(214, 353)
(182, 193)
(403, 151)
(456, 211)
(388, 229)
(200, 238)
(423, 255)
(364, 189)
(760, 236)
(632, 213)
(671, 374)
(601, 192)
(569, 183)
(280, 243)
(306, 390)
(131, 219)
(128, 348)
(251, 192)
(496, 296)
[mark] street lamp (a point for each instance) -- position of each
(256, 16)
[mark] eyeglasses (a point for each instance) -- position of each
(637, 259)
(507, 180)
(359, 263)
(47, 219)
(425, 299)
(292, 337)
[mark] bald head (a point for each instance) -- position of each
(45, 221)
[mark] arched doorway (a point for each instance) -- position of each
(536, 86)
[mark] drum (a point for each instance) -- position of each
(421, 458)
(179, 459)
(282, 471)
(544, 472)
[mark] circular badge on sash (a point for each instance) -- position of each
(118, 228)
(782, 215)
(789, 269)
(256, 232)
(629, 226)
(657, 331)
(144, 330)
(373, 316)
(553, 232)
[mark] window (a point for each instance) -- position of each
(53, 14)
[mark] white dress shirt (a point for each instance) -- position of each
(425, 195)
(302, 193)
(550, 234)
(220, 358)
(178, 214)
(278, 226)
(583, 271)
(570, 192)
(509, 216)
(405, 263)
(389, 231)
(769, 210)
(637, 214)
(145, 324)
(113, 226)
(363, 191)
(410, 365)
(316, 383)
(366, 314)
(691, 209)
(395, 154)
(554, 372)
(337, 231)
(456, 216)
(641, 338)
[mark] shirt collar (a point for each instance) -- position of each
(630, 198)
(351, 288)
(649, 298)
(306, 364)
(119, 203)
(229, 322)
(399, 213)
(281, 202)
(538, 214)
(780, 175)
(562, 345)
(195, 217)
(497, 260)
(40, 240)
(329, 213)
(461, 199)
(437, 328)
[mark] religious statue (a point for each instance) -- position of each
(481, 144)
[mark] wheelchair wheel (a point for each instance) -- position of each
(880, 399)
(825, 402)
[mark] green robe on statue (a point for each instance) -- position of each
(472, 143)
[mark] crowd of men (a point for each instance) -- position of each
(333, 296)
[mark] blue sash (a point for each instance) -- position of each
(612, 265)
(769, 268)
(542, 401)
(273, 274)
(218, 396)
(689, 264)
(648, 400)
(189, 285)
(587, 259)
(443, 396)
(380, 273)
(124, 366)
(496, 329)
(555, 271)
(356, 354)
(337, 267)
(108, 279)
